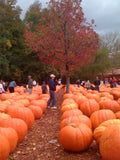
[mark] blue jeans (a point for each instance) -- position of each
(52, 98)
(97, 88)
(114, 85)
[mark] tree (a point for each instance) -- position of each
(112, 42)
(31, 15)
(63, 37)
(12, 44)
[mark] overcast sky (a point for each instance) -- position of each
(105, 13)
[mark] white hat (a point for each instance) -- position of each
(52, 75)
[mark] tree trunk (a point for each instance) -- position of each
(67, 79)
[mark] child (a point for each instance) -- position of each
(44, 88)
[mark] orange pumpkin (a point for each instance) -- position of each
(67, 95)
(4, 148)
(69, 113)
(109, 104)
(23, 113)
(11, 136)
(41, 103)
(110, 143)
(37, 111)
(18, 124)
(89, 106)
(100, 129)
(69, 106)
(93, 96)
(4, 116)
(100, 116)
(75, 137)
(76, 119)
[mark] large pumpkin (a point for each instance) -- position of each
(18, 124)
(93, 96)
(100, 129)
(11, 136)
(41, 103)
(69, 113)
(100, 116)
(23, 113)
(109, 104)
(37, 111)
(79, 99)
(4, 116)
(115, 92)
(69, 106)
(4, 148)
(76, 119)
(110, 143)
(89, 106)
(75, 137)
(67, 101)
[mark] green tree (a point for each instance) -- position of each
(112, 42)
(99, 66)
(12, 44)
(32, 15)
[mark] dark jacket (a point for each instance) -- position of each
(44, 88)
(97, 82)
(30, 83)
(52, 85)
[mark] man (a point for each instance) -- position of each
(114, 82)
(30, 84)
(52, 89)
(11, 86)
(97, 83)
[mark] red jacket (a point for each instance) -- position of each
(114, 81)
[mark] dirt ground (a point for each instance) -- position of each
(41, 141)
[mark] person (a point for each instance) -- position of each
(1, 87)
(44, 88)
(11, 86)
(106, 81)
(59, 81)
(78, 82)
(97, 83)
(6, 86)
(118, 81)
(34, 83)
(30, 85)
(83, 83)
(88, 84)
(114, 82)
(111, 82)
(52, 89)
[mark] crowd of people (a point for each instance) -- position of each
(4, 86)
(96, 83)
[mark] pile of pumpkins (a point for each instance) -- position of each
(89, 115)
(18, 111)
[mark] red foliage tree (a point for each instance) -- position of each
(63, 37)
